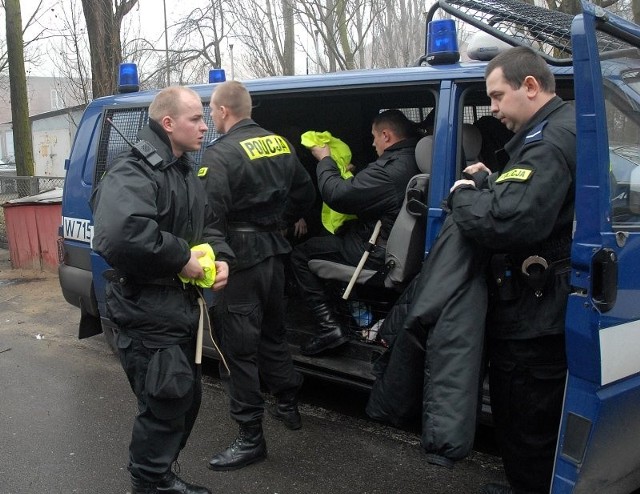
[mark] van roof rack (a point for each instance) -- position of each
(519, 23)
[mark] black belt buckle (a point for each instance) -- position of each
(534, 270)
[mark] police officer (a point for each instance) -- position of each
(375, 193)
(525, 215)
(257, 186)
(149, 209)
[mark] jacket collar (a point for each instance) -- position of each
(538, 118)
(403, 144)
(155, 135)
(247, 122)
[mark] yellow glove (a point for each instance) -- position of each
(208, 266)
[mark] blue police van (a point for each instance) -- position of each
(595, 58)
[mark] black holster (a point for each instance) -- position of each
(504, 279)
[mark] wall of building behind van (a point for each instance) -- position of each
(52, 134)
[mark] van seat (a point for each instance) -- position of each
(405, 245)
(471, 144)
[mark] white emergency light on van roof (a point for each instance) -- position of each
(483, 46)
(217, 75)
(128, 78)
(442, 42)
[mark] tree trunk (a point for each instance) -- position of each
(103, 28)
(289, 46)
(22, 141)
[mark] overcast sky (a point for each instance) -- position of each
(151, 11)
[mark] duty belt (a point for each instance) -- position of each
(248, 227)
(114, 276)
(535, 271)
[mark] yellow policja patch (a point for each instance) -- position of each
(265, 147)
(203, 171)
(515, 175)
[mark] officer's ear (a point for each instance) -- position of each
(167, 124)
(531, 85)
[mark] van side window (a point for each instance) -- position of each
(623, 126)
(128, 121)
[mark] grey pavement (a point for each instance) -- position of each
(66, 412)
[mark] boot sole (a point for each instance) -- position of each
(216, 468)
(335, 344)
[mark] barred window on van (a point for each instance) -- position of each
(129, 121)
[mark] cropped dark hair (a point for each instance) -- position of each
(397, 122)
(518, 63)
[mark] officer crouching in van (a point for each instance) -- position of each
(525, 215)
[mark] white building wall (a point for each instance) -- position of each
(52, 138)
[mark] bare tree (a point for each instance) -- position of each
(195, 47)
(104, 20)
(198, 40)
(70, 55)
(33, 31)
(398, 34)
(266, 29)
(22, 142)
(341, 29)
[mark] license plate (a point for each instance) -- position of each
(77, 229)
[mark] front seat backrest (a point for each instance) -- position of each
(471, 144)
(405, 245)
(424, 149)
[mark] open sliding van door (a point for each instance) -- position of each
(599, 444)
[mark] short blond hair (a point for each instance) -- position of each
(168, 102)
(234, 97)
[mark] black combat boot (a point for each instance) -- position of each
(496, 489)
(331, 334)
(286, 410)
(139, 486)
(249, 447)
(172, 484)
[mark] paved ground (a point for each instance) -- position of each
(66, 412)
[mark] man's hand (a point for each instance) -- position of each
(222, 275)
(468, 172)
(475, 168)
(320, 152)
(193, 269)
(458, 183)
(300, 228)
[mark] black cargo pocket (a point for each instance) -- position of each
(242, 331)
(119, 302)
(169, 383)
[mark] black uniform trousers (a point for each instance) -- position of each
(155, 443)
(248, 319)
(328, 248)
(527, 381)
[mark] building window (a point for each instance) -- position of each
(56, 100)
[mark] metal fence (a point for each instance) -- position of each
(14, 187)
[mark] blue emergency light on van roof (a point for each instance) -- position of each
(217, 75)
(442, 42)
(128, 78)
